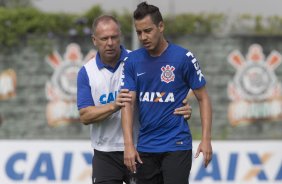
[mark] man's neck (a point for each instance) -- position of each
(160, 49)
(111, 61)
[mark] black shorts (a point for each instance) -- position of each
(109, 168)
(169, 167)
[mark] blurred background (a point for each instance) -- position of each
(43, 44)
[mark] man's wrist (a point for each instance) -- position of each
(206, 138)
(114, 107)
(128, 144)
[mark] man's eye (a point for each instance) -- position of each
(147, 30)
(114, 37)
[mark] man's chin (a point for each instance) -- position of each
(110, 54)
(149, 48)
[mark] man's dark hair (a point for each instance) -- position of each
(144, 9)
(103, 18)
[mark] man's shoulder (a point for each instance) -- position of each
(180, 52)
(178, 48)
(90, 62)
(132, 55)
(137, 52)
(124, 50)
(89, 66)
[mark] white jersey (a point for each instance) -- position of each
(102, 86)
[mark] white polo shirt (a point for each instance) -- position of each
(97, 85)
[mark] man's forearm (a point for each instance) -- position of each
(206, 117)
(205, 111)
(95, 114)
(127, 124)
(127, 120)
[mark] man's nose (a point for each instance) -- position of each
(110, 41)
(143, 36)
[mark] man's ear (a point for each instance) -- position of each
(93, 40)
(161, 26)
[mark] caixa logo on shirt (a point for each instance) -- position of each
(108, 98)
(156, 97)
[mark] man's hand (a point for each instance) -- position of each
(123, 96)
(206, 148)
(130, 158)
(185, 110)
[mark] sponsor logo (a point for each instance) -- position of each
(255, 91)
(61, 89)
(108, 98)
(237, 167)
(196, 65)
(156, 97)
(44, 167)
(70, 162)
(241, 168)
(139, 74)
(8, 82)
(122, 73)
(167, 75)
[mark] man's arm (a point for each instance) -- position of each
(206, 119)
(130, 153)
(185, 110)
(93, 114)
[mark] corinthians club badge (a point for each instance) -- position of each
(255, 89)
(61, 89)
(167, 75)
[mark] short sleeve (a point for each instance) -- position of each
(192, 71)
(84, 96)
(128, 80)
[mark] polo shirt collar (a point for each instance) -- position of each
(101, 65)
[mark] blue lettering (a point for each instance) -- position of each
(88, 158)
(110, 98)
(10, 170)
(213, 173)
(43, 166)
(103, 99)
(232, 167)
(279, 175)
(48, 172)
(66, 166)
(256, 161)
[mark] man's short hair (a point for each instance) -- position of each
(103, 18)
(144, 9)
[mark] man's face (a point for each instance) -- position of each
(148, 33)
(107, 40)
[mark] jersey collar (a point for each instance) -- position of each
(101, 65)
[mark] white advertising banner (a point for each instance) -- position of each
(241, 162)
(69, 162)
(45, 162)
